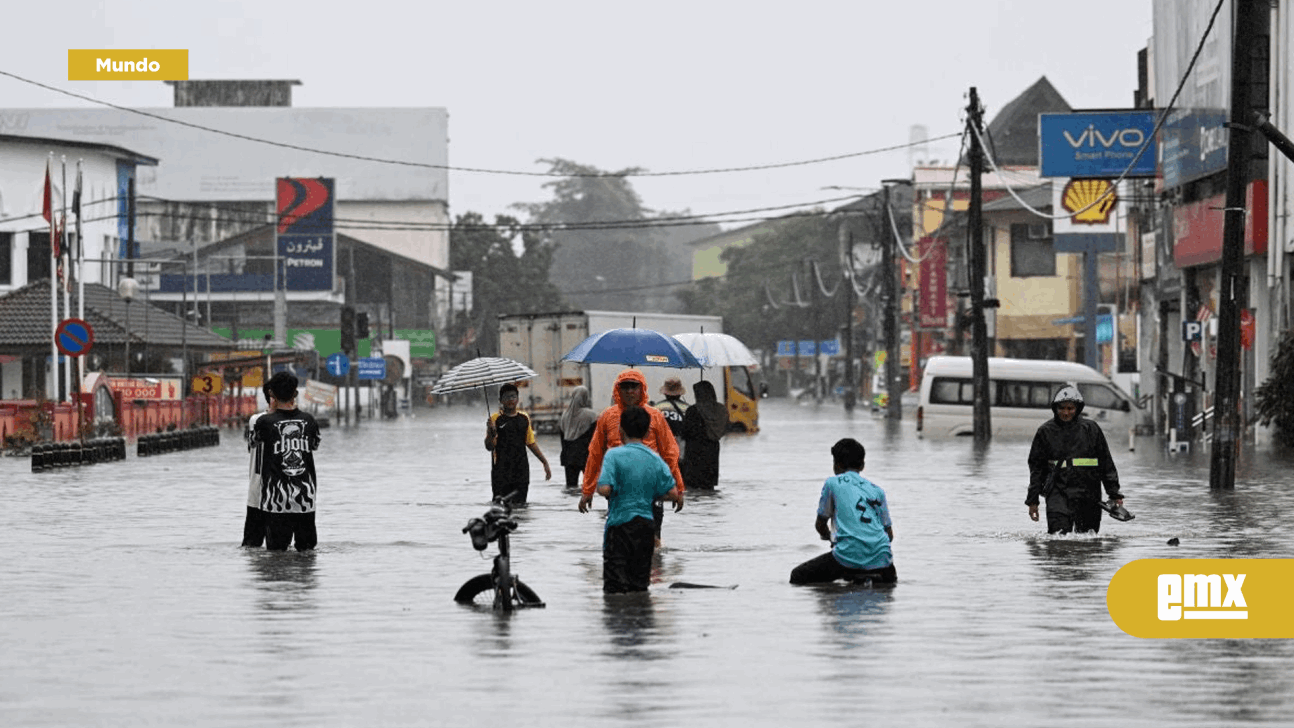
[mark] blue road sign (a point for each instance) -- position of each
(372, 367)
(830, 347)
(786, 348)
(73, 337)
(338, 365)
(807, 347)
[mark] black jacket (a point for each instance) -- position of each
(1067, 448)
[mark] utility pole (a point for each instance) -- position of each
(847, 259)
(1234, 284)
(893, 389)
(983, 430)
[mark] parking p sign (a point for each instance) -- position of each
(1192, 330)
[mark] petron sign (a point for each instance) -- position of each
(1097, 144)
(304, 235)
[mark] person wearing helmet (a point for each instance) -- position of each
(1069, 463)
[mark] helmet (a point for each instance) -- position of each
(1068, 393)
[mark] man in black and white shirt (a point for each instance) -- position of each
(288, 438)
(254, 523)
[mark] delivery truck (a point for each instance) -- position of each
(540, 340)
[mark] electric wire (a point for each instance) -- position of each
(1163, 116)
(455, 168)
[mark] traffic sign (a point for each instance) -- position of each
(208, 384)
(372, 367)
(74, 337)
(338, 364)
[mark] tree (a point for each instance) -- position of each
(630, 263)
(1274, 398)
(503, 282)
(758, 296)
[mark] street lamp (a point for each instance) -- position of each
(128, 288)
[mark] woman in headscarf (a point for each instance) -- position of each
(704, 424)
(577, 430)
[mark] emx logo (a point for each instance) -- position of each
(1202, 597)
(1221, 598)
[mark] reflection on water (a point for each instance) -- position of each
(1074, 557)
(630, 623)
(852, 612)
(285, 579)
(110, 615)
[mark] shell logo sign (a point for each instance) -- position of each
(1090, 201)
(1203, 598)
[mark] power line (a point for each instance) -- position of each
(478, 170)
(1163, 115)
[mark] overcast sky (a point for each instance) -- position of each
(665, 85)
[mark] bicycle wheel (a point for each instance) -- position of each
(526, 597)
(477, 590)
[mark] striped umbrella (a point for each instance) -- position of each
(483, 371)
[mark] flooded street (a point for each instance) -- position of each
(126, 599)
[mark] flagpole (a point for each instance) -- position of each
(80, 267)
(52, 394)
(80, 298)
(67, 271)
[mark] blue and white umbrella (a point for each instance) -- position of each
(633, 348)
(718, 350)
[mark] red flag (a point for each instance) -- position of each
(47, 212)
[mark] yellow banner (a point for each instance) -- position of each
(119, 64)
(1203, 598)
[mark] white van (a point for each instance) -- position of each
(1020, 392)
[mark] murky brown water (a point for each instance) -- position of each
(125, 599)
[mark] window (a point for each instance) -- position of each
(1032, 252)
(1031, 395)
(1101, 396)
(952, 391)
(6, 259)
(38, 256)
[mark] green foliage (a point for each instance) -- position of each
(757, 296)
(628, 264)
(1274, 398)
(502, 281)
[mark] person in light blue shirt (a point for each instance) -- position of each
(632, 477)
(854, 515)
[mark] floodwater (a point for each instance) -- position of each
(126, 600)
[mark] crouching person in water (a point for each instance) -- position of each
(632, 477)
(856, 508)
(1069, 462)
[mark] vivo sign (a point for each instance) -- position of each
(1097, 144)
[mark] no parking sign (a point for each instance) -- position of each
(73, 337)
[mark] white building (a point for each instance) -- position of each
(25, 254)
(217, 182)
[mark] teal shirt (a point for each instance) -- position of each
(637, 476)
(860, 514)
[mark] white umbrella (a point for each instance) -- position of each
(717, 350)
(483, 371)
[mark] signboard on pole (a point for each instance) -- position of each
(933, 283)
(74, 337)
(372, 367)
(338, 365)
(1097, 144)
(304, 236)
